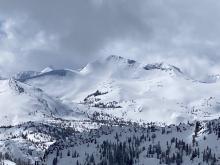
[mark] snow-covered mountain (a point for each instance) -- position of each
(131, 90)
(112, 105)
(21, 103)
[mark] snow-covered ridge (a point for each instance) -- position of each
(119, 62)
(161, 66)
(21, 102)
(112, 62)
(134, 91)
(25, 75)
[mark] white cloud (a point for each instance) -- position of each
(20, 39)
(71, 33)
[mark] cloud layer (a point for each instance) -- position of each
(34, 34)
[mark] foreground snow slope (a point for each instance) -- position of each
(126, 88)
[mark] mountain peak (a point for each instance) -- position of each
(113, 62)
(116, 58)
(160, 66)
(47, 69)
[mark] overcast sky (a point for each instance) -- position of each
(70, 33)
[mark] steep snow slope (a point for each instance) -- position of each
(21, 102)
(126, 88)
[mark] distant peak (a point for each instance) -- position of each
(161, 65)
(47, 69)
(116, 58)
(114, 61)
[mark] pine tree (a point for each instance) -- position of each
(55, 161)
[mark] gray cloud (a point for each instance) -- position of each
(34, 34)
